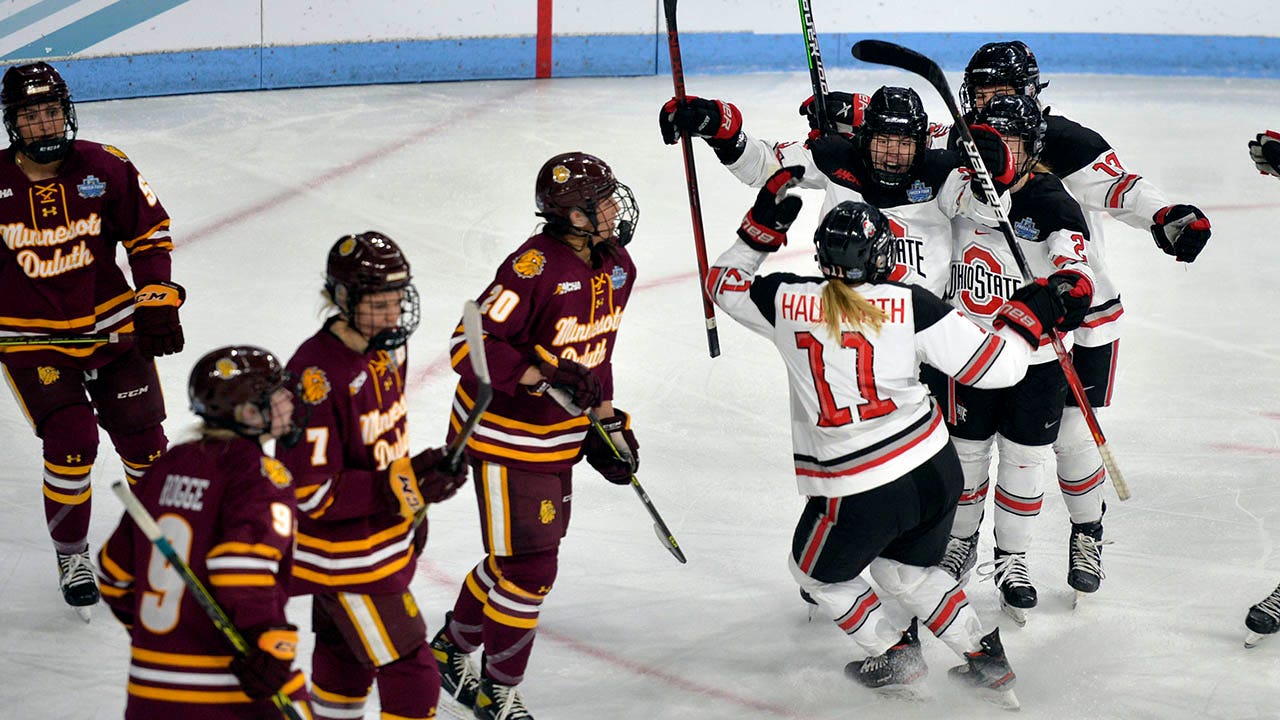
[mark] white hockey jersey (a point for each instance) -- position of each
(860, 417)
(919, 211)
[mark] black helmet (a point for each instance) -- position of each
(1017, 116)
(894, 111)
(228, 377)
(1001, 63)
(579, 181)
(369, 263)
(33, 84)
(855, 243)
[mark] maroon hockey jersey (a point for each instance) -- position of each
(228, 510)
(58, 261)
(544, 295)
(350, 534)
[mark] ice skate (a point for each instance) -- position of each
(459, 681)
(809, 602)
(987, 670)
(1084, 559)
(1017, 594)
(899, 672)
(1263, 619)
(79, 586)
(499, 702)
(961, 555)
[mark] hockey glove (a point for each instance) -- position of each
(615, 469)
(1076, 293)
(996, 156)
(1181, 231)
(435, 481)
(268, 664)
(1032, 310)
(156, 329)
(836, 156)
(844, 112)
(583, 387)
(715, 121)
(1265, 152)
(765, 226)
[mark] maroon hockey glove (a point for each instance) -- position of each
(844, 111)
(996, 156)
(577, 380)
(435, 481)
(1181, 231)
(1264, 150)
(156, 329)
(1076, 293)
(765, 226)
(268, 664)
(836, 156)
(1031, 311)
(715, 121)
(615, 469)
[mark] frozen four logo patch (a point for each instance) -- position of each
(91, 187)
(1026, 229)
(618, 277)
(919, 192)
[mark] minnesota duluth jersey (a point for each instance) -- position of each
(919, 211)
(58, 260)
(1051, 231)
(543, 294)
(228, 510)
(350, 537)
(860, 417)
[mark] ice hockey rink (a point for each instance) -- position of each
(260, 185)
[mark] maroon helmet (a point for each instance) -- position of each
(369, 263)
(228, 377)
(578, 181)
(33, 84)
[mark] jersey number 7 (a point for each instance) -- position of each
(870, 405)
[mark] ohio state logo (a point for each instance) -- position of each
(979, 280)
(908, 252)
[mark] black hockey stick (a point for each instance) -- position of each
(473, 329)
(148, 526)
(886, 53)
(91, 339)
(817, 74)
(691, 180)
(659, 525)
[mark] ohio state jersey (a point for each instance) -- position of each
(351, 536)
(58, 261)
(228, 511)
(1052, 234)
(919, 210)
(543, 294)
(860, 417)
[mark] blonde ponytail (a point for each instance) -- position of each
(842, 305)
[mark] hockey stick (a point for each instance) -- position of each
(817, 74)
(93, 339)
(474, 331)
(691, 180)
(659, 526)
(886, 53)
(148, 526)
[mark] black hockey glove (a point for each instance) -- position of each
(1181, 231)
(1031, 311)
(1264, 150)
(615, 469)
(844, 112)
(836, 156)
(156, 329)
(582, 386)
(716, 121)
(1076, 293)
(268, 664)
(765, 226)
(996, 156)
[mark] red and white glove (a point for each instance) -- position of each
(716, 121)
(1076, 293)
(1181, 231)
(1264, 150)
(1031, 311)
(764, 228)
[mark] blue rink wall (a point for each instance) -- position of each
(269, 67)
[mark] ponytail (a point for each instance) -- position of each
(843, 305)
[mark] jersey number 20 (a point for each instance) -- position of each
(870, 405)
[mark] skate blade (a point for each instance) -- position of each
(914, 692)
(1019, 615)
(1001, 698)
(85, 612)
(1252, 639)
(452, 708)
(1075, 601)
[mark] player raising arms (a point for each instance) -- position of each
(228, 509)
(1021, 420)
(871, 450)
(359, 490)
(551, 318)
(68, 205)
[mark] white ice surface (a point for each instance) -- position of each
(260, 185)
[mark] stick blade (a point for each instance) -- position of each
(881, 52)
